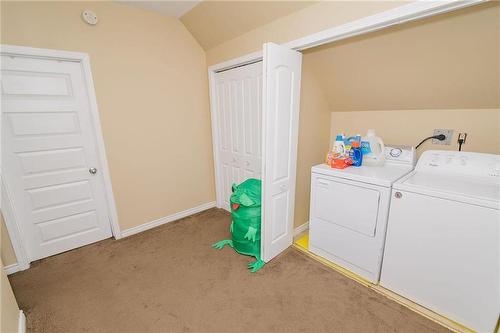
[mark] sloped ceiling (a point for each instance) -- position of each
(450, 61)
(214, 22)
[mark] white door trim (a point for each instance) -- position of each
(22, 322)
(215, 137)
(7, 208)
(410, 12)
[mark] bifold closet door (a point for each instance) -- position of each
(281, 97)
(49, 156)
(239, 109)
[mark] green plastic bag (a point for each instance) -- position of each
(245, 225)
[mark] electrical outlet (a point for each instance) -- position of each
(447, 132)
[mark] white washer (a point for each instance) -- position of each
(349, 209)
(443, 240)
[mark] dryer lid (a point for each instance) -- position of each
(473, 190)
(464, 176)
(473, 187)
(384, 175)
(460, 163)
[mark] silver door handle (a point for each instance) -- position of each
(93, 171)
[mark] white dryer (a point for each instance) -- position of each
(349, 210)
(443, 239)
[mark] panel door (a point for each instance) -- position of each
(239, 107)
(48, 149)
(281, 91)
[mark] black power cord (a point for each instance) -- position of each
(439, 137)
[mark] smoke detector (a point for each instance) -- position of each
(89, 17)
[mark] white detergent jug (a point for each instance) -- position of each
(373, 149)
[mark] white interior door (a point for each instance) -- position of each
(281, 98)
(49, 147)
(239, 109)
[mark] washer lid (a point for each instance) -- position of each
(481, 191)
(384, 175)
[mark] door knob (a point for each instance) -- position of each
(93, 171)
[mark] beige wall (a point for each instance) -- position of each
(6, 251)
(9, 311)
(307, 21)
(441, 72)
(150, 94)
(450, 61)
(314, 113)
(154, 173)
(410, 126)
(215, 22)
(314, 133)
(151, 85)
(408, 53)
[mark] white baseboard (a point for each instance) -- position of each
(167, 219)
(21, 328)
(300, 229)
(11, 269)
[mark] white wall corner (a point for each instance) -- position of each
(167, 219)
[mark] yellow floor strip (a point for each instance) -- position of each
(302, 244)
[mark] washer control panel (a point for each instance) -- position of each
(466, 163)
(400, 154)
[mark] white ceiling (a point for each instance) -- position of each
(164, 7)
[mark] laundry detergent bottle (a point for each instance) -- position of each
(373, 149)
(356, 154)
(339, 147)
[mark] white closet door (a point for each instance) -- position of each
(281, 91)
(48, 150)
(239, 109)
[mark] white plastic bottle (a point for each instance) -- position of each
(373, 149)
(339, 147)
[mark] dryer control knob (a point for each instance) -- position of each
(398, 195)
(396, 152)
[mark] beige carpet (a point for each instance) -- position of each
(169, 280)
